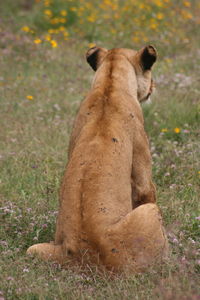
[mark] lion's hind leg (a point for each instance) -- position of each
(137, 241)
(47, 252)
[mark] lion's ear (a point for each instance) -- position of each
(148, 57)
(94, 56)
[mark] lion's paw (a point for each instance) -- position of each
(46, 251)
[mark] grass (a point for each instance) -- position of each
(33, 153)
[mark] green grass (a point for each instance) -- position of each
(33, 153)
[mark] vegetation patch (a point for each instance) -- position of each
(41, 86)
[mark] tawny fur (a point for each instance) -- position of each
(107, 210)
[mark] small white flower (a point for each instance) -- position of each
(25, 270)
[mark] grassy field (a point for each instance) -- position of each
(41, 88)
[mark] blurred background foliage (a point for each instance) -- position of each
(171, 25)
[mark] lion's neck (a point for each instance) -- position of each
(116, 75)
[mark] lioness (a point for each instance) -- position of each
(107, 202)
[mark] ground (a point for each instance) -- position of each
(41, 88)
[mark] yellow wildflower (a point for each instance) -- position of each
(160, 16)
(47, 37)
(63, 13)
(153, 26)
(164, 130)
(51, 31)
(29, 97)
(37, 41)
(48, 12)
(91, 45)
(186, 3)
(108, 2)
(53, 44)
(158, 3)
(141, 5)
(91, 18)
(62, 20)
(25, 29)
(135, 39)
(54, 21)
(168, 60)
(73, 8)
(88, 6)
(177, 130)
(66, 33)
(186, 15)
(80, 11)
(145, 39)
(62, 28)
(114, 6)
(46, 3)
(113, 30)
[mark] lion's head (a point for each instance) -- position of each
(141, 61)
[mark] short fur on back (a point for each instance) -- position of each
(107, 212)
